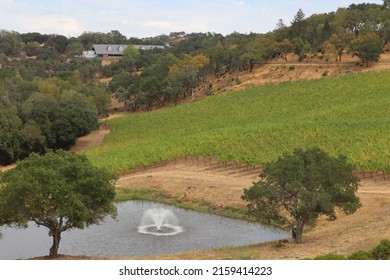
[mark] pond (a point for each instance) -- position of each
(122, 237)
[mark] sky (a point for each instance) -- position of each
(149, 18)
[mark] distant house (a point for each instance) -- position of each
(106, 51)
(89, 54)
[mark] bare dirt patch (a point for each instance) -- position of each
(93, 139)
(279, 70)
(194, 179)
(7, 167)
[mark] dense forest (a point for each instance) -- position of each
(49, 96)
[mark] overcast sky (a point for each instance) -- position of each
(145, 18)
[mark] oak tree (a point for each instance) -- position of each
(368, 48)
(297, 188)
(58, 190)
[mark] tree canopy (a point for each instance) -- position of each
(368, 48)
(58, 190)
(46, 113)
(297, 188)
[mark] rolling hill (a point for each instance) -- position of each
(349, 115)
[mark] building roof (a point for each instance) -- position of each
(117, 50)
(148, 47)
(104, 49)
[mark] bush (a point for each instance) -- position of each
(325, 74)
(382, 251)
(331, 256)
(361, 255)
(210, 93)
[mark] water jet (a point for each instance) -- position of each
(159, 222)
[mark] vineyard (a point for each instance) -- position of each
(343, 115)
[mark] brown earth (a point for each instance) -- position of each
(95, 138)
(279, 70)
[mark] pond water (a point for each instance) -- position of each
(120, 237)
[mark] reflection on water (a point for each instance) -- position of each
(120, 238)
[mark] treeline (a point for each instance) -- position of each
(46, 113)
(146, 79)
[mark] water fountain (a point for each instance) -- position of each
(159, 222)
(126, 236)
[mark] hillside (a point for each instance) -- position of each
(274, 71)
(279, 70)
(346, 114)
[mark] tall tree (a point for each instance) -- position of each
(57, 42)
(129, 58)
(43, 110)
(339, 44)
(368, 48)
(329, 50)
(10, 135)
(297, 188)
(285, 47)
(151, 89)
(300, 48)
(75, 49)
(10, 43)
(60, 191)
(116, 37)
(298, 25)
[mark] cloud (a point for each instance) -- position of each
(53, 24)
(239, 3)
(158, 24)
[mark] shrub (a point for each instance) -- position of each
(291, 67)
(361, 255)
(382, 251)
(331, 256)
(325, 74)
(210, 93)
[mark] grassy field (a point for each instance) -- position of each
(343, 115)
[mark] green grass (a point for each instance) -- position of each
(343, 115)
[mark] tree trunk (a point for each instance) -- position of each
(251, 65)
(56, 244)
(298, 232)
(125, 105)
